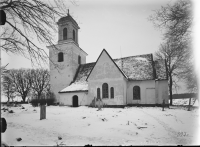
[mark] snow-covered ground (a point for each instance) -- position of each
(111, 126)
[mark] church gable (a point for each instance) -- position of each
(105, 67)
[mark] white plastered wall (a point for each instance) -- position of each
(147, 92)
(63, 75)
(66, 98)
(105, 71)
(162, 91)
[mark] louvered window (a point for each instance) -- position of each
(65, 34)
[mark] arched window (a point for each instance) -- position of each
(73, 35)
(65, 34)
(136, 92)
(111, 92)
(79, 59)
(98, 93)
(105, 90)
(60, 57)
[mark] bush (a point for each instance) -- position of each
(34, 102)
(50, 98)
(11, 111)
(50, 101)
(42, 102)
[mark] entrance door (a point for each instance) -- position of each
(75, 101)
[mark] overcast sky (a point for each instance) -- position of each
(111, 24)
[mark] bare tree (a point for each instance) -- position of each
(190, 77)
(22, 81)
(8, 86)
(40, 81)
(176, 21)
(29, 19)
(175, 56)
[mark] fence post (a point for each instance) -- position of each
(189, 105)
(163, 105)
(42, 112)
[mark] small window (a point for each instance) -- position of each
(98, 93)
(136, 92)
(111, 92)
(60, 57)
(74, 35)
(79, 59)
(105, 90)
(65, 34)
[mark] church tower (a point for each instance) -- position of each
(66, 56)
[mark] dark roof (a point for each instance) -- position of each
(83, 72)
(160, 66)
(185, 95)
(133, 68)
(67, 18)
(136, 67)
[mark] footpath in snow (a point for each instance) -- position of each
(111, 126)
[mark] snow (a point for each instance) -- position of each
(112, 126)
(136, 67)
(79, 86)
(141, 58)
(185, 101)
(160, 69)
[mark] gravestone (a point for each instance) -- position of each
(42, 112)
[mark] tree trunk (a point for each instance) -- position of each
(189, 104)
(170, 88)
(24, 98)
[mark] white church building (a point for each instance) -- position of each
(133, 80)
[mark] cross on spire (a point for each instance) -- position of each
(68, 12)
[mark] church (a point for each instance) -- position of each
(133, 80)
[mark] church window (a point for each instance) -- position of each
(136, 92)
(65, 34)
(60, 57)
(73, 35)
(105, 90)
(79, 59)
(112, 92)
(98, 93)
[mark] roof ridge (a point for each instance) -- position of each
(132, 56)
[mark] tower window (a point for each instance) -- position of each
(105, 90)
(79, 59)
(111, 92)
(98, 93)
(74, 35)
(65, 34)
(60, 57)
(136, 92)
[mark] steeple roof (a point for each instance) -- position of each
(67, 18)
